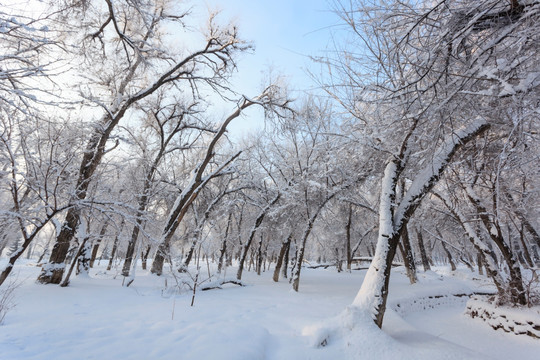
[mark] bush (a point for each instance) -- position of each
(7, 298)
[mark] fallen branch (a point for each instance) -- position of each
(218, 284)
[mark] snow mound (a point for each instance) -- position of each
(354, 331)
(520, 321)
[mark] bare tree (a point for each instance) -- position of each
(271, 100)
(169, 122)
(432, 73)
(133, 44)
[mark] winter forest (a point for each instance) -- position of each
(391, 211)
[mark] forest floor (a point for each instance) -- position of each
(96, 318)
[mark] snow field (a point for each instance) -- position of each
(97, 318)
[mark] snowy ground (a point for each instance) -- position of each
(97, 318)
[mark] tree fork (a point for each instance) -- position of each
(374, 291)
(284, 248)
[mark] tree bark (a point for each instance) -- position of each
(284, 248)
(83, 260)
(286, 259)
(408, 256)
(423, 255)
(223, 250)
(259, 255)
(348, 239)
(526, 252)
(53, 271)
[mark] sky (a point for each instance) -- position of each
(285, 33)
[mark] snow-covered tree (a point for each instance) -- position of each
(429, 78)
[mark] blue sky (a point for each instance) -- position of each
(284, 33)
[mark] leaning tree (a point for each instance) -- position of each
(431, 77)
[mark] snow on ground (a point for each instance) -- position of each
(97, 318)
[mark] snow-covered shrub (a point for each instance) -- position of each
(7, 297)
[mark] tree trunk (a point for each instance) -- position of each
(144, 256)
(80, 249)
(247, 245)
(374, 291)
(479, 263)
(449, 256)
(259, 256)
(339, 262)
(423, 255)
(222, 254)
(115, 246)
(286, 260)
(348, 239)
(223, 249)
(159, 259)
(301, 250)
(403, 256)
(83, 260)
(371, 250)
(284, 249)
(53, 271)
(29, 251)
(526, 252)
(3, 242)
(517, 290)
(95, 248)
(191, 250)
(408, 256)
(130, 251)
